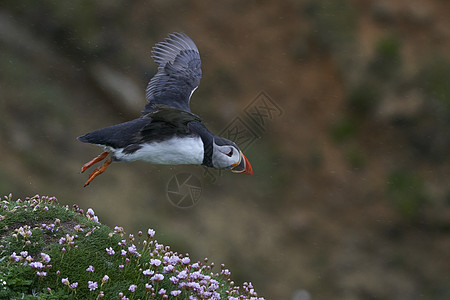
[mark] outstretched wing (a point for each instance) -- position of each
(179, 73)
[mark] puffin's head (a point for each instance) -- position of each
(226, 155)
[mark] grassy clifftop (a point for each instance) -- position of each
(50, 251)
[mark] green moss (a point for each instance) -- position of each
(387, 58)
(435, 80)
(334, 22)
(344, 130)
(388, 48)
(355, 158)
(406, 193)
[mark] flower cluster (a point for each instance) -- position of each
(181, 277)
(67, 240)
(40, 266)
(91, 215)
(66, 281)
(49, 227)
(145, 268)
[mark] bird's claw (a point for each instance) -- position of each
(98, 171)
(101, 157)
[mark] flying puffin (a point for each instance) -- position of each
(167, 132)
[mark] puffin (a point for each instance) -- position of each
(167, 132)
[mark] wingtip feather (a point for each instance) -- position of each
(172, 46)
(82, 138)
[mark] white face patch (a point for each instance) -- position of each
(176, 151)
(224, 157)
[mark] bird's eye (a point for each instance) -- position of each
(230, 154)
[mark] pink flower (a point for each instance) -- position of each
(110, 251)
(155, 262)
(157, 277)
(168, 269)
(132, 288)
(182, 275)
(196, 266)
(175, 293)
(226, 272)
(90, 212)
(173, 260)
(105, 279)
(132, 250)
(92, 285)
(90, 269)
(196, 275)
(15, 257)
(185, 260)
(37, 265)
(148, 272)
(73, 285)
(45, 258)
(150, 233)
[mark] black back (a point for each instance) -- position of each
(131, 135)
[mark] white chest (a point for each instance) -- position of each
(176, 151)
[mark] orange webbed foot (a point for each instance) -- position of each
(101, 157)
(99, 170)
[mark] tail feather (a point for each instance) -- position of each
(116, 136)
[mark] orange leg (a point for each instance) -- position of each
(95, 160)
(99, 171)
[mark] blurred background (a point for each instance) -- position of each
(350, 197)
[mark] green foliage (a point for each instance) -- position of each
(334, 22)
(407, 193)
(363, 98)
(387, 58)
(355, 157)
(344, 130)
(52, 252)
(435, 80)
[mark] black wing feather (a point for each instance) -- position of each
(179, 73)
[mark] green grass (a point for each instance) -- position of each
(68, 241)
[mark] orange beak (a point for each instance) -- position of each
(243, 167)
